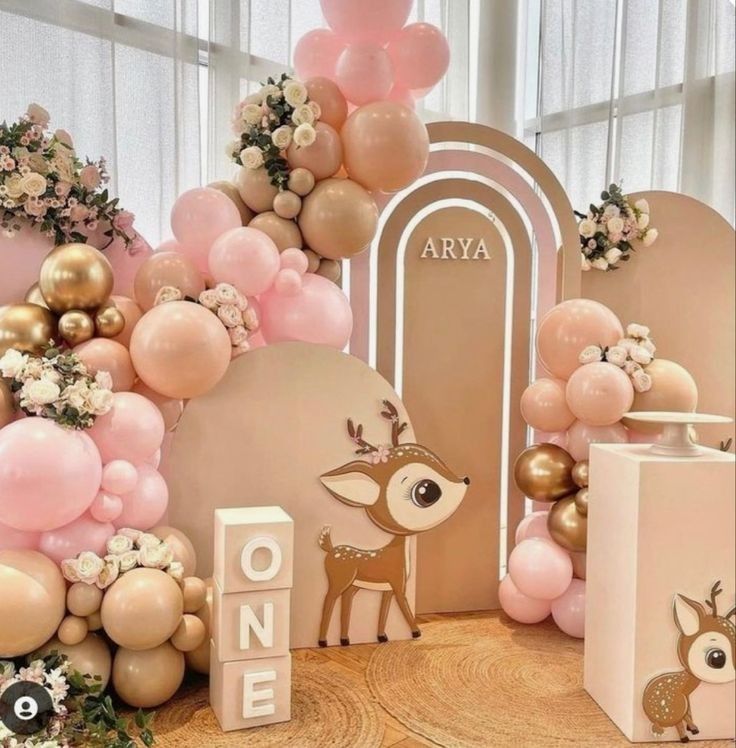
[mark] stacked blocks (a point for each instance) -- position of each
(250, 664)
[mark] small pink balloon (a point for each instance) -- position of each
(599, 393)
(288, 282)
(544, 405)
(323, 158)
(316, 53)
(169, 245)
(558, 438)
(364, 73)
(16, 540)
(540, 568)
(83, 534)
(106, 507)
(154, 461)
(321, 313)
(246, 258)
(402, 96)
(198, 217)
(519, 606)
(568, 610)
(294, 259)
(119, 476)
(102, 354)
(420, 55)
(375, 21)
(534, 525)
(144, 507)
(581, 435)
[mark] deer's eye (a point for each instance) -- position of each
(715, 658)
(425, 493)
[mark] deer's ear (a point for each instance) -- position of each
(352, 484)
(687, 615)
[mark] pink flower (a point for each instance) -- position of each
(137, 244)
(64, 138)
(380, 455)
(78, 213)
(62, 188)
(35, 207)
(90, 177)
(123, 221)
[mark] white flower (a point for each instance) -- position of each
(641, 355)
(38, 115)
(638, 332)
(34, 184)
(642, 221)
(600, 263)
(167, 293)
(252, 114)
(254, 98)
(69, 569)
(304, 135)
(295, 93)
(648, 345)
(302, 114)
(587, 228)
(281, 137)
(250, 319)
(103, 380)
(238, 335)
(270, 90)
(642, 205)
(627, 344)
(616, 355)
(611, 210)
(630, 367)
(119, 544)
(226, 294)
(77, 394)
(131, 533)
(650, 237)
(7, 669)
(156, 557)
(615, 225)
(230, 315)
(89, 566)
(585, 263)
(208, 299)
(590, 354)
(109, 573)
(12, 363)
(642, 381)
(41, 392)
(100, 402)
(176, 570)
(128, 560)
(613, 255)
(316, 109)
(147, 539)
(251, 157)
(14, 186)
(232, 148)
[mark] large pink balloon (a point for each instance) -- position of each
(145, 505)
(320, 313)
(540, 568)
(101, 354)
(580, 436)
(534, 525)
(364, 73)
(16, 540)
(21, 261)
(83, 534)
(568, 610)
(246, 258)
(599, 393)
(323, 158)
(519, 606)
(132, 430)
(570, 327)
(48, 475)
(420, 55)
(374, 21)
(316, 53)
(544, 407)
(198, 217)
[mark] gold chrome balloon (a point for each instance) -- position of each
(581, 501)
(580, 473)
(567, 526)
(109, 321)
(34, 296)
(26, 327)
(76, 327)
(543, 472)
(75, 276)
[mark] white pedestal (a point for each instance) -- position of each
(657, 526)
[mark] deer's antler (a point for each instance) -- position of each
(397, 427)
(715, 590)
(356, 434)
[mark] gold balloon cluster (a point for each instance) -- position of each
(547, 473)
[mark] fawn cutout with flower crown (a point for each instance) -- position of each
(405, 489)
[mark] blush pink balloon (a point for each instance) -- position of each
(16, 540)
(323, 158)
(49, 475)
(119, 476)
(22, 257)
(568, 610)
(420, 55)
(145, 505)
(374, 21)
(402, 96)
(169, 245)
(364, 73)
(519, 606)
(132, 430)
(170, 408)
(288, 282)
(83, 534)
(580, 436)
(540, 568)
(544, 407)
(106, 507)
(198, 217)
(132, 313)
(558, 438)
(320, 313)
(636, 437)
(316, 53)
(534, 525)
(125, 262)
(599, 393)
(103, 354)
(246, 258)
(294, 259)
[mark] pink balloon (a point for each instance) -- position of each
(83, 534)
(316, 53)
(132, 313)
(16, 540)
(119, 476)
(599, 393)
(294, 259)
(323, 158)
(154, 461)
(374, 21)
(106, 507)
(568, 610)
(420, 55)
(132, 430)
(534, 525)
(540, 568)
(125, 262)
(288, 282)
(145, 505)
(402, 96)
(559, 438)
(22, 257)
(636, 437)
(198, 217)
(49, 475)
(364, 74)
(102, 354)
(519, 606)
(321, 313)
(570, 327)
(169, 245)
(544, 407)
(246, 258)
(580, 436)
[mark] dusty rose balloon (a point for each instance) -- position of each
(599, 393)
(323, 158)
(119, 476)
(283, 233)
(294, 259)
(83, 534)
(558, 438)
(247, 258)
(544, 407)
(570, 327)
(364, 73)
(316, 53)
(132, 313)
(229, 189)
(171, 409)
(145, 679)
(180, 349)
(167, 269)
(332, 104)
(568, 610)
(90, 657)
(366, 20)
(420, 55)
(15, 540)
(288, 282)
(338, 219)
(386, 146)
(106, 507)
(181, 546)
(254, 186)
(540, 568)
(519, 606)
(534, 525)
(144, 506)
(580, 436)
(101, 354)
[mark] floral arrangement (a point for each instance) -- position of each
(266, 123)
(57, 385)
(632, 353)
(42, 181)
(82, 715)
(608, 230)
(128, 550)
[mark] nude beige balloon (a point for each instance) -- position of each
(199, 659)
(145, 679)
(26, 327)
(333, 106)
(254, 186)
(229, 189)
(180, 545)
(285, 234)
(323, 158)
(301, 181)
(194, 590)
(189, 634)
(386, 146)
(83, 599)
(91, 657)
(94, 621)
(7, 404)
(338, 219)
(131, 312)
(330, 269)
(313, 260)
(72, 630)
(171, 409)
(166, 269)
(142, 609)
(287, 204)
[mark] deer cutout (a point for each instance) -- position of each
(404, 489)
(706, 648)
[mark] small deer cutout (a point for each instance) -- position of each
(404, 489)
(706, 648)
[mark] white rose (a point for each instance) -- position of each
(77, 394)
(103, 380)
(304, 135)
(642, 221)
(650, 237)
(641, 355)
(648, 345)
(131, 533)
(642, 205)
(611, 210)
(238, 335)
(615, 225)
(226, 294)
(100, 402)
(302, 114)
(295, 93)
(34, 184)
(208, 299)
(631, 366)
(252, 114)
(585, 263)
(590, 354)
(254, 98)
(42, 392)
(252, 157)
(109, 573)
(613, 255)
(14, 186)
(119, 544)
(69, 569)
(642, 381)
(232, 149)
(176, 571)
(230, 315)
(156, 557)
(616, 355)
(587, 228)
(600, 263)
(12, 363)
(639, 332)
(166, 294)
(148, 539)
(89, 566)
(281, 137)
(269, 90)
(128, 560)
(627, 344)
(250, 319)
(316, 109)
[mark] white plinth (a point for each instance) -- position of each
(657, 526)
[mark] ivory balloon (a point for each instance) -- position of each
(76, 327)
(543, 472)
(599, 393)
(323, 158)
(332, 104)
(287, 204)
(180, 545)
(171, 409)
(581, 501)
(283, 233)
(254, 186)
(101, 354)
(26, 327)
(338, 219)
(83, 599)
(91, 657)
(229, 189)
(34, 296)
(109, 322)
(581, 473)
(166, 269)
(544, 406)
(190, 633)
(132, 313)
(567, 526)
(199, 659)
(301, 181)
(7, 404)
(149, 678)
